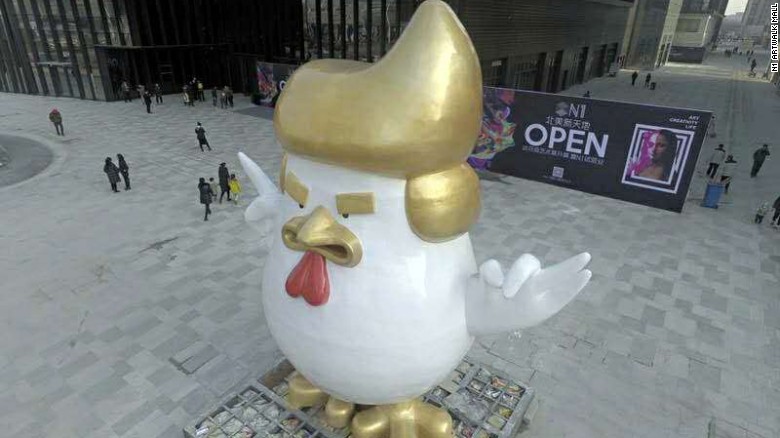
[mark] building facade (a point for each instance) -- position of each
(697, 29)
(649, 29)
(667, 35)
(544, 45)
(755, 21)
(86, 48)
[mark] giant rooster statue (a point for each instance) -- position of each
(371, 288)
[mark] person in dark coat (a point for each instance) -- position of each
(647, 80)
(124, 169)
(214, 96)
(205, 196)
(148, 101)
(113, 173)
(758, 159)
(776, 218)
(158, 94)
(229, 95)
(634, 75)
(200, 131)
(56, 118)
(224, 182)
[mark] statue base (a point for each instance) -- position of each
(483, 403)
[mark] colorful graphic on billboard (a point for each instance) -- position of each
(271, 79)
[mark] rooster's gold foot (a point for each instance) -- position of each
(302, 394)
(338, 413)
(412, 419)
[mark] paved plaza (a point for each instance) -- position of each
(125, 315)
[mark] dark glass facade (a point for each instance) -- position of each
(545, 45)
(86, 48)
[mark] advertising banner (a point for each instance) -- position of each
(638, 153)
(271, 79)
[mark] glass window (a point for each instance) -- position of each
(688, 25)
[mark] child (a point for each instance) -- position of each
(214, 188)
(235, 187)
(761, 212)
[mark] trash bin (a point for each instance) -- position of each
(652, 85)
(712, 194)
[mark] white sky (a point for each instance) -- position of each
(735, 6)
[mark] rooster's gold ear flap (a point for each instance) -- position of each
(443, 205)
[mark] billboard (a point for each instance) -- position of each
(638, 153)
(271, 79)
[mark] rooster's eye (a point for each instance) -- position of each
(345, 215)
(300, 205)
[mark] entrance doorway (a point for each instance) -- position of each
(541, 63)
(581, 63)
(555, 73)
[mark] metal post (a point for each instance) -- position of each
(318, 15)
(356, 29)
(343, 27)
(383, 27)
(369, 30)
(331, 31)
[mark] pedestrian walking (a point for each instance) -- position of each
(56, 118)
(126, 91)
(214, 96)
(761, 212)
(229, 95)
(715, 160)
(235, 187)
(776, 217)
(200, 132)
(223, 99)
(587, 94)
(214, 189)
(158, 94)
(148, 101)
(728, 172)
(647, 80)
(206, 196)
(753, 66)
(634, 75)
(224, 178)
(185, 96)
(758, 159)
(112, 172)
(200, 91)
(191, 94)
(711, 127)
(124, 169)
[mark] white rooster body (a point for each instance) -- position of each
(395, 324)
(370, 288)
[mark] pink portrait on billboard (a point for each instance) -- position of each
(656, 157)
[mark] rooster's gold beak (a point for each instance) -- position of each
(320, 233)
